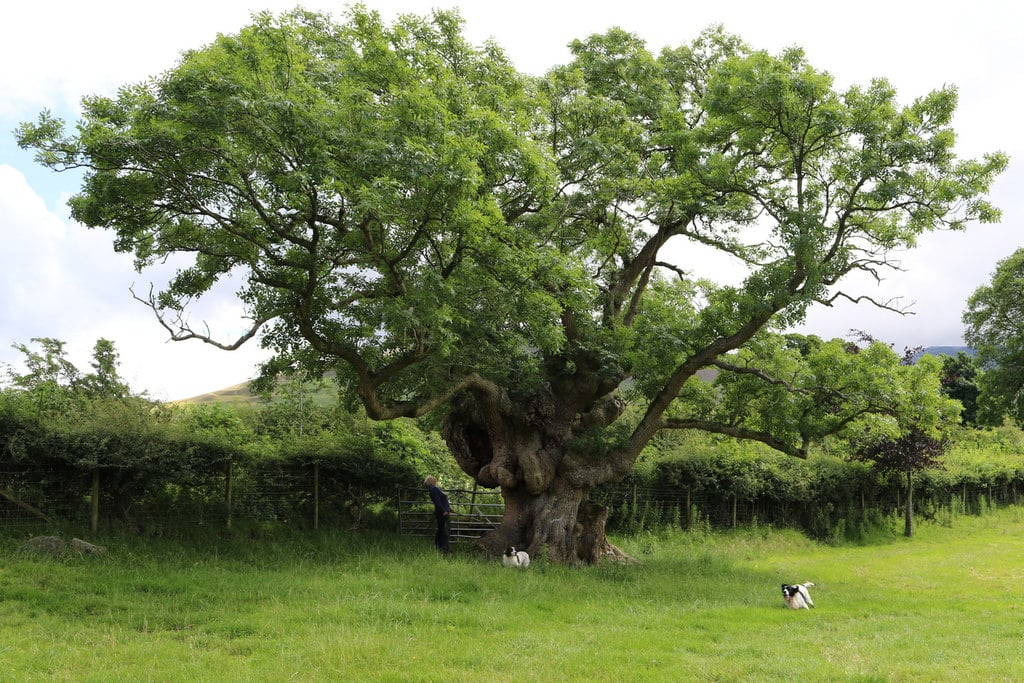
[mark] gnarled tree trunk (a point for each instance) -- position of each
(560, 523)
(532, 454)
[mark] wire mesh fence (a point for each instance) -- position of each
(302, 497)
(636, 508)
(306, 498)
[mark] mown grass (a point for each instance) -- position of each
(943, 606)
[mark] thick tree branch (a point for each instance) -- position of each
(378, 409)
(742, 433)
(756, 372)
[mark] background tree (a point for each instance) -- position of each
(105, 381)
(994, 321)
(48, 377)
(960, 380)
(451, 235)
(56, 383)
(294, 405)
(905, 455)
(910, 435)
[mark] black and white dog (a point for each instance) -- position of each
(515, 558)
(796, 596)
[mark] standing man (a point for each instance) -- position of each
(442, 512)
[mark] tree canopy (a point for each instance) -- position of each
(409, 210)
(56, 383)
(960, 377)
(994, 321)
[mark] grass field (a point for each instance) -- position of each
(944, 606)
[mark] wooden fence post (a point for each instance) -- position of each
(95, 503)
(689, 518)
(316, 496)
(227, 491)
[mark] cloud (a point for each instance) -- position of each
(64, 281)
(35, 256)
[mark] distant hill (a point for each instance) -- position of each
(238, 393)
(945, 351)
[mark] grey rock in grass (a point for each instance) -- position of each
(84, 548)
(54, 546)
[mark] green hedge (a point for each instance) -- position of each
(826, 496)
(156, 468)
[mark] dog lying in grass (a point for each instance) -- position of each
(797, 596)
(515, 558)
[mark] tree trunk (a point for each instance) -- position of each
(544, 479)
(561, 524)
(908, 515)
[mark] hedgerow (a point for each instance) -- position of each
(725, 483)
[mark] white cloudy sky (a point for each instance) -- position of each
(60, 280)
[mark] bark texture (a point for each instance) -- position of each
(533, 453)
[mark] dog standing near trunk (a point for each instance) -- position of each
(515, 558)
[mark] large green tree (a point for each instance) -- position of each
(454, 237)
(994, 321)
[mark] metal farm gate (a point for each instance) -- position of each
(473, 513)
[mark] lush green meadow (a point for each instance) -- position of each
(945, 605)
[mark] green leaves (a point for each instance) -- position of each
(794, 391)
(994, 321)
(408, 209)
(57, 387)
